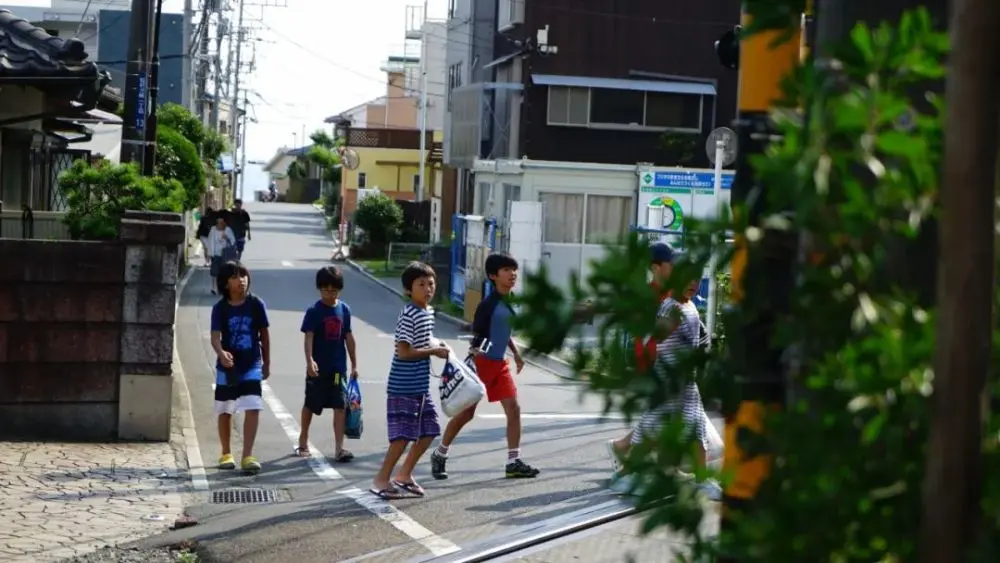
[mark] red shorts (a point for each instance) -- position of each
(496, 376)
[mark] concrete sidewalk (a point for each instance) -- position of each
(63, 500)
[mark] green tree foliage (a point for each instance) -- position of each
(859, 169)
(380, 217)
(177, 159)
(97, 197)
(210, 144)
(324, 154)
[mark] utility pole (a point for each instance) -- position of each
(243, 151)
(234, 110)
(952, 494)
(220, 33)
(423, 106)
(203, 63)
(149, 158)
(187, 71)
(762, 272)
(137, 82)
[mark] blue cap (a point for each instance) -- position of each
(660, 252)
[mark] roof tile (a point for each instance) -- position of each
(28, 51)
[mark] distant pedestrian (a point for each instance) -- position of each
(679, 316)
(205, 225)
(239, 221)
(242, 344)
(661, 265)
(492, 337)
(221, 248)
(410, 412)
(329, 342)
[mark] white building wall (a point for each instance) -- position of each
(434, 53)
(601, 195)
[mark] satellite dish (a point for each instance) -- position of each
(728, 138)
(349, 159)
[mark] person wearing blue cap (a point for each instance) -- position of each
(680, 317)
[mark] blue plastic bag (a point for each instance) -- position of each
(355, 423)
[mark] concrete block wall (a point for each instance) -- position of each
(86, 334)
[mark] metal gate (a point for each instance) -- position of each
(472, 240)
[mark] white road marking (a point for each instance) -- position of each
(434, 543)
(556, 416)
(196, 465)
(287, 264)
(437, 545)
(317, 461)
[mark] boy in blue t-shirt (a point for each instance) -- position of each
(242, 345)
(328, 343)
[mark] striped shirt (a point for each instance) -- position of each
(415, 326)
(687, 403)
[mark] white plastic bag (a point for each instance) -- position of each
(716, 447)
(460, 386)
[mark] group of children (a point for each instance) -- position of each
(241, 341)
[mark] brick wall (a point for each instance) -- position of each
(86, 334)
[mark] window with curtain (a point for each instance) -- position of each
(563, 217)
(608, 218)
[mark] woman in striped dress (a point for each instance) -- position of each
(684, 335)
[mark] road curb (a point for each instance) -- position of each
(550, 364)
(185, 414)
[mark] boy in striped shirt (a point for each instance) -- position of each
(409, 407)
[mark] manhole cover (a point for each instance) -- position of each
(244, 496)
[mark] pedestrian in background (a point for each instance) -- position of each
(239, 221)
(205, 225)
(221, 248)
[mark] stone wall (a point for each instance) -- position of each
(86, 334)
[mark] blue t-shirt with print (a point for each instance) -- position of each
(329, 326)
(240, 325)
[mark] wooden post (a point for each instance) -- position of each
(962, 360)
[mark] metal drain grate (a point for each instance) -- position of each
(244, 496)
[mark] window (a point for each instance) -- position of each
(569, 106)
(678, 111)
(416, 181)
(620, 107)
(362, 180)
(563, 217)
(454, 79)
(608, 218)
(509, 12)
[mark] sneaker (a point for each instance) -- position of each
(616, 462)
(250, 465)
(439, 466)
(711, 490)
(517, 469)
(227, 462)
(622, 484)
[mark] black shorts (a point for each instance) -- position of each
(325, 392)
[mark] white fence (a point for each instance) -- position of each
(47, 225)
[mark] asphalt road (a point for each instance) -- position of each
(324, 512)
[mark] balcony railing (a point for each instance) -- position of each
(388, 138)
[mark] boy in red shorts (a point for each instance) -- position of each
(491, 329)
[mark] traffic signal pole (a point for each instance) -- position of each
(762, 273)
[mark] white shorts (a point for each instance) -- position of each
(242, 404)
(241, 397)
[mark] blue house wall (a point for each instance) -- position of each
(112, 46)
